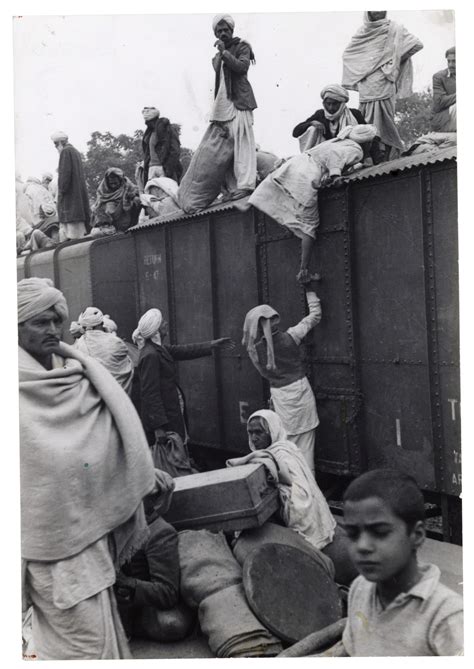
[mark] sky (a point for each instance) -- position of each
(86, 73)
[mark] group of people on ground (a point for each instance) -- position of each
(101, 565)
(334, 140)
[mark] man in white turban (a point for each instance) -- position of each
(227, 154)
(73, 200)
(105, 347)
(327, 123)
(85, 467)
(377, 63)
(289, 194)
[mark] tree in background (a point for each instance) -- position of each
(412, 116)
(106, 150)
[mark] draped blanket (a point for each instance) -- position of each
(85, 463)
(111, 352)
(380, 44)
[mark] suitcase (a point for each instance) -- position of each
(231, 499)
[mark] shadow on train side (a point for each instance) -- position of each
(383, 362)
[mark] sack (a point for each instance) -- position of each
(172, 457)
(206, 172)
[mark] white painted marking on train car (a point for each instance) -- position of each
(399, 431)
(244, 412)
(453, 403)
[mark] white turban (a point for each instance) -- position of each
(167, 185)
(148, 328)
(91, 318)
(359, 133)
(109, 325)
(37, 295)
(75, 328)
(223, 17)
(336, 92)
(59, 136)
(47, 175)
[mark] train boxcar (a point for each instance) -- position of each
(383, 362)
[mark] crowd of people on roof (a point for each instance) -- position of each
(100, 565)
(228, 165)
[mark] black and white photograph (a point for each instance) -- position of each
(237, 429)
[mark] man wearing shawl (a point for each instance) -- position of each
(161, 147)
(117, 202)
(41, 201)
(289, 194)
(303, 506)
(277, 356)
(73, 200)
(443, 118)
(82, 518)
(377, 63)
(327, 123)
(105, 347)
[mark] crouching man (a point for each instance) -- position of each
(147, 586)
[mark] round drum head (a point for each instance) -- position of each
(289, 592)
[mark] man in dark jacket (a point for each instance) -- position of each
(327, 122)
(234, 103)
(73, 201)
(147, 586)
(443, 118)
(161, 147)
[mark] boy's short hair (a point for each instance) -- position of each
(399, 491)
(450, 51)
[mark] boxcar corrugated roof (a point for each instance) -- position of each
(382, 169)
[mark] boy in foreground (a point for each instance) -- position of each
(397, 606)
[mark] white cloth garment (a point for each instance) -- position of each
(305, 443)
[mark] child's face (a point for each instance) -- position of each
(379, 543)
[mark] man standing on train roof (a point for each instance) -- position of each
(161, 147)
(234, 103)
(443, 118)
(73, 201)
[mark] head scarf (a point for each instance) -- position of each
(59, 136)
(272, 425)
(75, 328)
(336, 92)
(149, 113)
(252, 319)
(37, 295)
(223, 17)
(124, 194)
(148, 328)
(359, 133)
(91, 318)
(167, 185)
(47, 175)
(109, 325)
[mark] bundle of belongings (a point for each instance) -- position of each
(432, 142)
(211, 579)
(160, 198)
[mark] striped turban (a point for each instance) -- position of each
(36, 295)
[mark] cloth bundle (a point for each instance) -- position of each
(211, 579)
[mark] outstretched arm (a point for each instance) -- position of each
(298, 332)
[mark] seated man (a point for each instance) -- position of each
(147, 587)
(443, 118)
(326, 123)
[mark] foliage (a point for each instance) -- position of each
(106, 150)
(412, 116)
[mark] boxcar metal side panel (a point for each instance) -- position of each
(114, 281)
(72, 262)
(20, 268)
(151, 264)
(390, 294)
(41, 265)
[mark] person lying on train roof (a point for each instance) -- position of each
(397, 606)
(147, 585)
(326, 123)
(303, 507)
(162, 405)
(277, 356)
(85, 468)
(105, 347)
(289, 194)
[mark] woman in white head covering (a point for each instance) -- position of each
(303, 507)
(161, 400)
(289, 194)
(160, 198)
